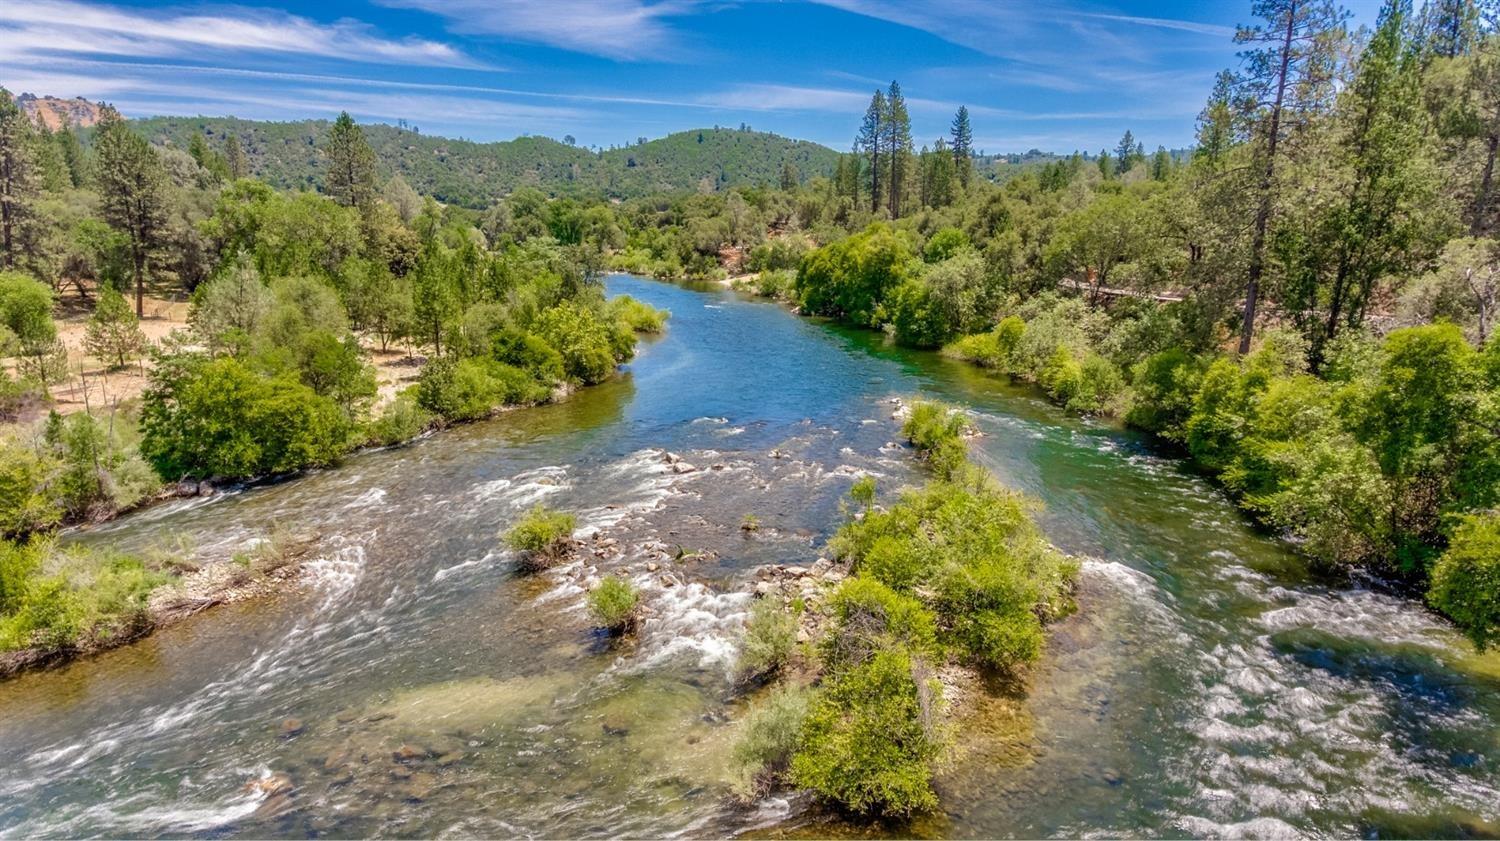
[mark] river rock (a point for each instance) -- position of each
(206, 489)
(652, 567)
(410, 753)
(450, 758)
(291, 727)
(682, 467)
(272, 784)
(671, 458)
(421, 787)
(615, 727)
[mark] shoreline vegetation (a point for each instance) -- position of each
(949, 586)
(270, 373)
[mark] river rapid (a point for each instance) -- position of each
(1209, 685)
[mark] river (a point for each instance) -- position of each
(1208, 686)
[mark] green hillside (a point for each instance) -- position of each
(290, 154)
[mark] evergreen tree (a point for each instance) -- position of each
(963, 146)
(18, 182)
(1450, 28)
(133, 193)
(897, 146)
(1161, 164)
(1377, 229)
(939, 176)
(114, 332)
(351, 164)
(207, 158)
(1106, 164)
(789, 176)
(1216, 123)
(234, 158)
(870, 141)
(1288, 75)
(1125, 153)
(66, 138)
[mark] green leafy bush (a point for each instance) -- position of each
(615, 604)
(401, 420)
(637, 315)
(589, 351)
(771, 735)
(542, 536)
(868, 743)
(870, 617)
(1466, 579)
(938, 432)
(1163, 388)
(53, 596)
(770, 638)
(473, 388)
(218, 418)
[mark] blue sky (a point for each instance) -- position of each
(1057, 75)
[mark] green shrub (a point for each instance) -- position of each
(218, 418)
(945, 244)
(938, 432)
(870, 617)
(615, 604)
(637, 315)
(61, 596)
(28, 503)
(1163, 388)
(530, 353)
(771, 735)
(542, 536)
(401, 420)
(777, 284)
(867, 743)
(770, 637)
(1466, 579)
(473, 388)
(589, 350)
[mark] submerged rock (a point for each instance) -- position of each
(272, 785)
(291, 727)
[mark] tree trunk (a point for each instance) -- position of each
(1486, 184)
(1263, 214)
(140, 282)
(7, 222)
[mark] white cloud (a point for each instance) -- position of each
(627, 30)
(36, 28)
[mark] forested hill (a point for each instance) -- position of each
(461, 172)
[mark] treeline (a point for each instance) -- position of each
(290, 294)
(1305, 305)
(293, 155)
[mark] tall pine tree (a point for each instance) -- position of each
(897, 146)
(133, 193)
(870, 141)
(18, 182)
(1288, 74)
(962, 135)
(351, 164)
(234, 158)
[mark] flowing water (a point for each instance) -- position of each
(1208, 686)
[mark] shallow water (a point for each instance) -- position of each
(1209, 685)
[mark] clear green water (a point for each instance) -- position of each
(1209, 686)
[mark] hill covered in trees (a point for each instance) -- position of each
(293, 155)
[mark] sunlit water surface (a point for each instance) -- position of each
(1208, 686)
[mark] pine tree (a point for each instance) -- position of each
(234, 158)
(1376, 231)
(114, 332)
(1106, 164)
(870, 141)
(351, 164)
(133, 193)
(939, 176)
(18, 182)
(66, 138)
(1125, 153)
(963, 146)
(1450, 28)
(1161, 164)
(790, 178)
(897, 146)
(1286, 78)
(1216, 123)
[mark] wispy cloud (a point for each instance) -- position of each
(626, 30)
(1168, 23)
(33, 29)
